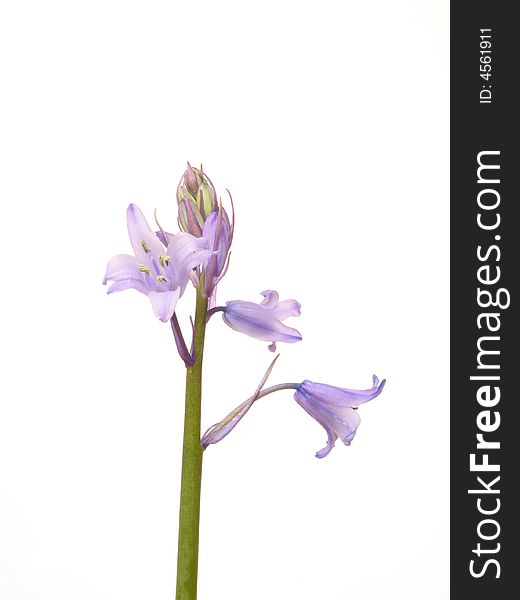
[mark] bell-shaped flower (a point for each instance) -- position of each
(263, 321)
(334, 409)
(159, 271)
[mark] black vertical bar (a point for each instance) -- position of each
(484, 119)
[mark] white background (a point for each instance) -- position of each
(329, 123)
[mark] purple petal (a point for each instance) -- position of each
(165, 237)
(121, 266)
(127, 284)
(217, 232)
(256, 323)
(344, 427)
(186, 252)
(341, 422)
(264, 321)
(286, 309)
(331, 440)
(344, 422)
(163, 303)
(219, 235)
(143, 239)
(333, 409)
(335, 396)
(270, 298)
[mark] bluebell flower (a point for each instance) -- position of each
(264, 321)
(161, 266)
(334, 409)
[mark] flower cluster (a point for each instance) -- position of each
(164, 263)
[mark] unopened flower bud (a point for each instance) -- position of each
(197, 199)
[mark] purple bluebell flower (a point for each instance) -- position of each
(263, 321)
(334, 409)
(157, 270)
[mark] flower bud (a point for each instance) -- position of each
(197, 199)
(219, 233)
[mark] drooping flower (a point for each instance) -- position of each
(334, 409)
(157, 270)
(263, 321)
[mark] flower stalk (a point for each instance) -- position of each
(189, 508)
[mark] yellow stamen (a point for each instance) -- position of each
(164, 259)
(145, 246)
(161, 278)
(143, 269)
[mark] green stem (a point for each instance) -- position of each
(189, 509)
